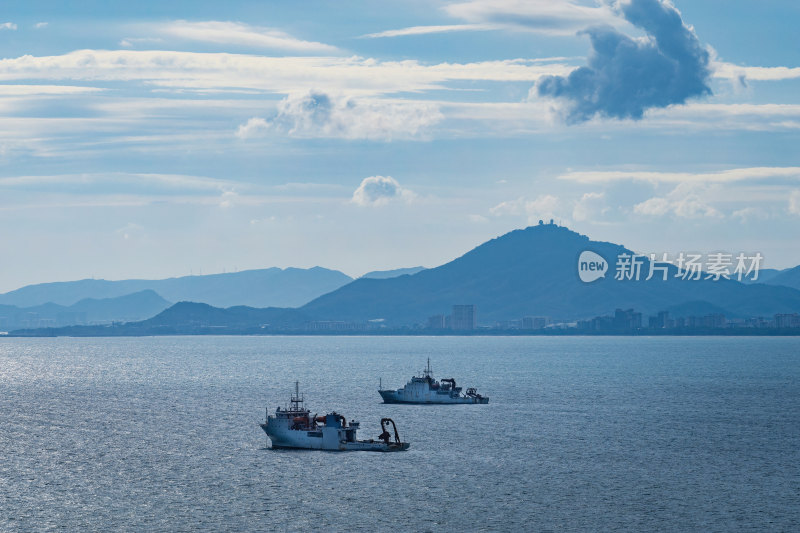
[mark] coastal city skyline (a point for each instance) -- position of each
(161, 139)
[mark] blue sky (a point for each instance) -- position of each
(157, 139)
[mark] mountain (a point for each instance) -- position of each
(386, 274)
(788, 278)
(290, 287)
(534, 271)
(764, 275)
(127, 308)
(130, 307)
(186, 318)
(528, 272)
(186, 315)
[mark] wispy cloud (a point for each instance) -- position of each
(32, 90)
(425, 30)
(130, 42)
(723, 176)
(220, 71)
(237, 33)
(128, 181)
(8, 26)
(555, 17)
(731, 71)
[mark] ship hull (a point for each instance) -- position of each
(328, 440)
(393, 396)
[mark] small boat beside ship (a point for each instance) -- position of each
(427, 390)
(295, 427)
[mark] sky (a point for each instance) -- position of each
(158, 139)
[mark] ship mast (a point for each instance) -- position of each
(296, 399)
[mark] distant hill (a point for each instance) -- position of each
(764, 275)
(186, 318)
(190, 314)
(534, 272)
(290, 287)
(130, 307)
(386, 274)
(788, 278)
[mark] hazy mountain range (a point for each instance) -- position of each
(290, 287)
(528, 272)
(130, 307)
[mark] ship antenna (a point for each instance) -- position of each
(297, 399)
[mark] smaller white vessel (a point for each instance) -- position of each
(294, 427)
(425, 389)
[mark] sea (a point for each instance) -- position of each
(580, 434)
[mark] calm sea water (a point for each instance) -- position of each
(587, 434)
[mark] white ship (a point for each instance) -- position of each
(425, 389)
(294, 427)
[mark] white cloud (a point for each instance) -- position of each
(686, 200)
(724, 176)
(737, 72)
(554, 17)
(747, 214)
(284, 75)
(654, 207)
(794, 202)
(228, 199)
(31, 90)
(8, 26)
(237, 33)
(424, 30)
(510, 207)
(591, 206)
(316, 114)
(130, 42)
(543, 207)
(255, 127)
(380, 190)
(40, 25)
(129, 181)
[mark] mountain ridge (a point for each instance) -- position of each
(269, 287)
(533, 271)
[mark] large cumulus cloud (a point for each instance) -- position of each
(626, 76)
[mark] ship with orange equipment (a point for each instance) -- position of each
(294, 427)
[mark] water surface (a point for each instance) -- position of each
(581, 433)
